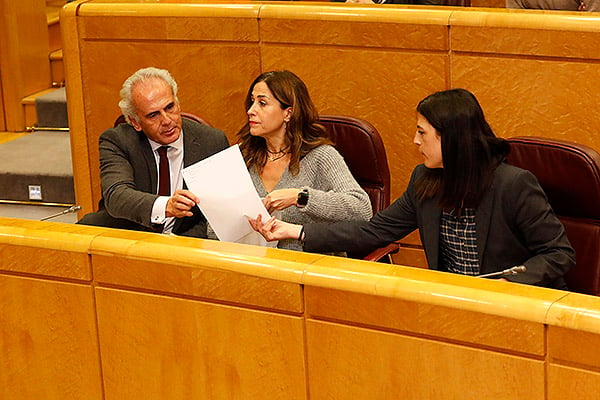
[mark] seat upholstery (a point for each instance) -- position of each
(362, 148)
(569, 173)
(193, 117)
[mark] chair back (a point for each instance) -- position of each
(192, 117)
(362, 148)
(569, 173)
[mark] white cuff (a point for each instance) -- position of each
(158, 210)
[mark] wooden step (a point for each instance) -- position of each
(29, 107)
(57, 68)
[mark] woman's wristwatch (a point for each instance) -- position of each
(302, 199)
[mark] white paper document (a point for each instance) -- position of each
(227, 196)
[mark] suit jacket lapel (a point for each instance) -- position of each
(148, 156)
(483, 216)
(430, 234)
(192, 148)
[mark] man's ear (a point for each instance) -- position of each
(136, 125)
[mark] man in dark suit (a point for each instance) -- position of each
(130, 160)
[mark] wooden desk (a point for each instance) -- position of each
(99, 313)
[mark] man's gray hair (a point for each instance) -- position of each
(142, 75)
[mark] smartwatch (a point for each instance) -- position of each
(302, 200)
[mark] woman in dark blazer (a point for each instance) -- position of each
(475, 213)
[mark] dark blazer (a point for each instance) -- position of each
(129, 177)
(515, 225)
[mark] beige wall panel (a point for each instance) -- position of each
(534, 97)
(355, 363)
(351, 33)
(169, 28)
(160, 348)
(47, 262)
(198, 282)
(381, 87)
(566, 383)
(213, 79)
(425, 319)
(48, 342)
(574, 347)
(526, 41)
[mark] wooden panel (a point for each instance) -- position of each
(48, 342)
(416, 35)
(54, 39)
(159, 348)
(23, 56)
(524, 96)
(574, 347)
(47, 262)
(348, 362)
(44, 248)
(526, 41)
(170, 28)
(223, 286)
(426, 319)
(571, 383)
(386, 96)
(205, 87)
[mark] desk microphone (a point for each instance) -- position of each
(69, 210)
(510, 271)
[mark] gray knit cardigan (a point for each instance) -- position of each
(333, 193)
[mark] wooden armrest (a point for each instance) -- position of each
(382, 252)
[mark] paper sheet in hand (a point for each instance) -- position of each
(227, 195)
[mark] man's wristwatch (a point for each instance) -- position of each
(302, 200)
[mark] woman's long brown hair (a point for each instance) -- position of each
(303, 132)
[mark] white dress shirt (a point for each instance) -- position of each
(175, 156)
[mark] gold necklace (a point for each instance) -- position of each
(277, 155)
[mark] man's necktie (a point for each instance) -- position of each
(164, 176)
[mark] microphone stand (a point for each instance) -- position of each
(69, 210)
(510, 271)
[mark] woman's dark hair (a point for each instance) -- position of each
(303, 131)
(470, 150)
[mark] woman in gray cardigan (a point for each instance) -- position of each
(295, 169)
(475, 213)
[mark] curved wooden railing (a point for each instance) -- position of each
(100, 313)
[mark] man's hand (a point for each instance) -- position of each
(275, 229)
(280, 199)
(180, 204)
